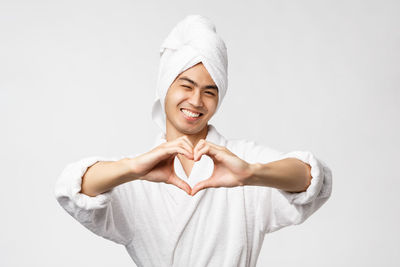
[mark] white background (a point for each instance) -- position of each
(77, 79)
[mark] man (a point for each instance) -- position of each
(196, 198)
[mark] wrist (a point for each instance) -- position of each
(128, 165)
(254, 170)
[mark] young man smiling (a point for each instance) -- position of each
(190, 103)
(196, 198)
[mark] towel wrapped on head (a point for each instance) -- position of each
(191, 41)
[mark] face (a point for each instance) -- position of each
(195, 91)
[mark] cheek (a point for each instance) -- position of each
(213, 105)
(173, 100)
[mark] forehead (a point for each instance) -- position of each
(198, 73)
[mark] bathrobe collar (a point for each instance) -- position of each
(213, 136)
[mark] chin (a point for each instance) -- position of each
(192, 129)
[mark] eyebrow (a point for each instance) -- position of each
(195, 84)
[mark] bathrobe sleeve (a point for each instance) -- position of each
(278, 208)
(106, 214)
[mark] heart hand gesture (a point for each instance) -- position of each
(229, 169)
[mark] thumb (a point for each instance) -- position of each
(181, 184)
(202, 185)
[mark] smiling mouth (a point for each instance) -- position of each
(190, 113)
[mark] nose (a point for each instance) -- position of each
(195, 98)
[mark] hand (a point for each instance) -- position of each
(229, 169)
(157, 165)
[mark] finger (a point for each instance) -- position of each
(208, 150)
(216, 147)
(203, 142)
(213, 148)
(173, 150)
(181, 184)
(184, 141)
(188, 148)
(187, 140)
(201, 185)
(180, 142)
(199, 145)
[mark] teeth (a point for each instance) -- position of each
(191, 114)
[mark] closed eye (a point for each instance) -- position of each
(208, 92)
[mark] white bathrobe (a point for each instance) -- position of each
(160, 225)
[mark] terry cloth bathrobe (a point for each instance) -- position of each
(161, 225)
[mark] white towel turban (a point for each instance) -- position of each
(192, 40)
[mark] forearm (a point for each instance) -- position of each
(105, 175)
(288, 174)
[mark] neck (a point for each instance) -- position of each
(172, 133)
